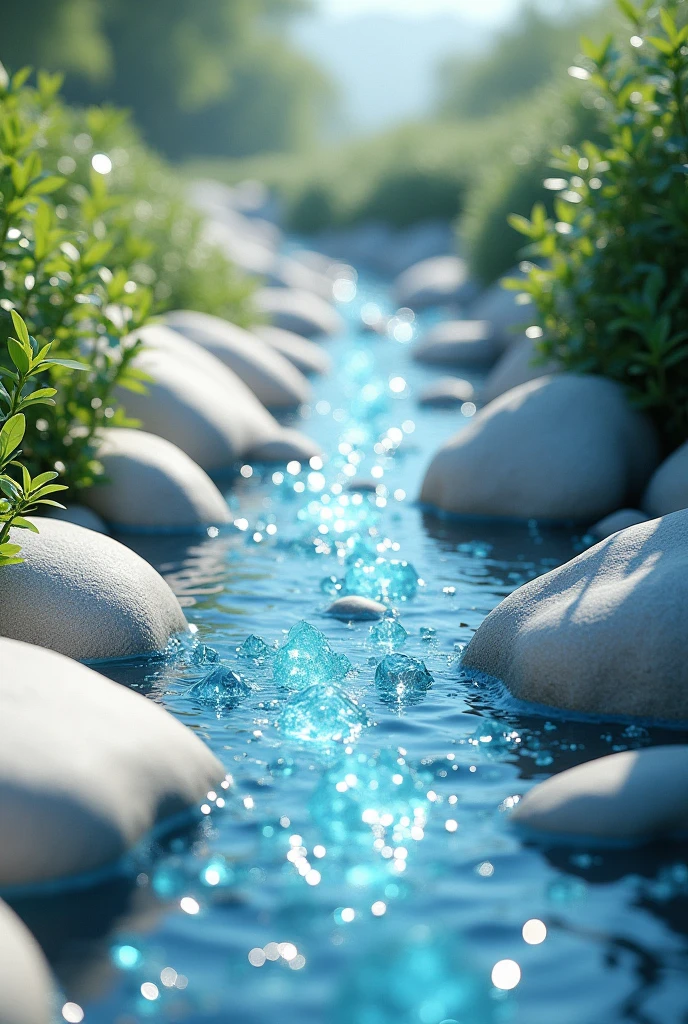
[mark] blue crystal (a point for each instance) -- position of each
(321, 714)
(388, 632)
(254, 647)
(306, 659)
(382, 580)
(221, 687)
(203, 655)
(401, 680)
(427, 633)
(494, 739)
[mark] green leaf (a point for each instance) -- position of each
(662, 45)
(48, 501)
(18, 356)
(10, 548)
(48, 489)
(668, 24)
(10, 488)
(24, 524)
(629, 10)
(11, 436)
(46, 185)
(42, 478)
(21, 329)
(70, 364)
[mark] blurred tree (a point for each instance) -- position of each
(214, 77)
(535, 50)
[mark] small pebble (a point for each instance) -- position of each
(356, 609)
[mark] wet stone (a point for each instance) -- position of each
(388, 633)
(402, 680)
(381, 580)
(306, 659)
(220, 687)
(322, 714)
(356, 609)
(255, 647)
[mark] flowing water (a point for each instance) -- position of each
(358, 866)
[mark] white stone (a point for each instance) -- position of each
(273, 379)
(438, 281)
(154, 485)
(199, 404)
(502, 307)
(605, 633)
(356, 609)
(290, 273)
(458, 343)
(446, 391)
(85, 595)
(288, 446)
(299, 311)
(87, 767)
(668, 488)
(620, 520)
(567, 447)
(80, 515)
(516, 366)
(635, 795)
(307, 356)
(27, 995)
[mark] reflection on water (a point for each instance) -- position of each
(360, 867)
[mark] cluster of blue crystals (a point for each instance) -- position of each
(381, 580)
(401, 680)
(388, 633)
(220, 687)
(306, 659)
(322, 714)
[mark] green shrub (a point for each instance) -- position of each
(613, 297)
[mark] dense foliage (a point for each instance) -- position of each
(216, 77)
(613, 292)
(94, 237)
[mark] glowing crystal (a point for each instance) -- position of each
(254, 647)
(388, 633)
(307, 659)
(401, 679)
(382, 580)
(321, 714)
(221, 687)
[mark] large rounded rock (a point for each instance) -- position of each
(634, 795)
(567, 447)
(438, 281)
(446, 391)
(458, 343)
(307, 356)
(85, 595)
(604, 633)
(273, 379)
(87, 767)
(198, 403)
(518, 365)
(299, 311)
(26, 989)
(668, 488)
(153, 485)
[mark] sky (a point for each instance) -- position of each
(486, 11)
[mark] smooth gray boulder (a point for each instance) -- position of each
(509, 312)
(620, 520)
(446, 391)
(299, 311)
(568, 447)
(273, 379)
(199, 404)
(458, 343)
(80, 515)
(288, 446)
(438, 281)
(153, 485)
(635, 795)
(603, 634)
(667, 491)
(307, 356)
(27, 995)
(87, 767)
(356, 609)
(85, 595)
(517, 365)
